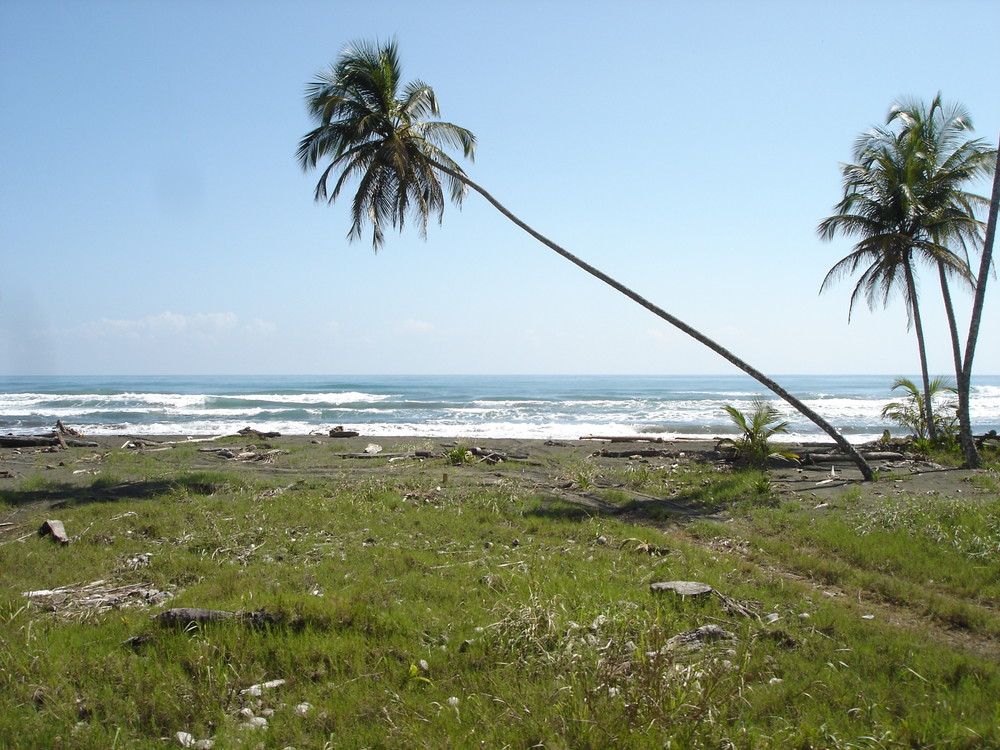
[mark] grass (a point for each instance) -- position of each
(411, 613)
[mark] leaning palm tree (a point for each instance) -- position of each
(374, 131)
(903, 198)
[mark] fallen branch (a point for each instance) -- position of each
(623, 438)
(406, 454)
(494, 457)
(642, 452)
(827, 458)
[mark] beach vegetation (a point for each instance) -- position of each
(761, 423)
(905, 199)
(911, 412)
(376, 131)
(395, 611)
(459, 454)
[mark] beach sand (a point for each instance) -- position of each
(547, 468)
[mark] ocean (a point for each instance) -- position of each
(558, 407)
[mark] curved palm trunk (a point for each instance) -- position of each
(964, 422)
(972, 458)
(845, 446)
(922, 350)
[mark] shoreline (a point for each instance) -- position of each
(470, 408)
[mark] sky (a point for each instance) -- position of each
(154, 220)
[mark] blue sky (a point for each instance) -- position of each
(154, 220)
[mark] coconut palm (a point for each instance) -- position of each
(911, 413)
(940, 133)
(972, 457)
(753, 447)
(903, 198)
(374, 130)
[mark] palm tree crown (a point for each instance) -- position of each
(375, 130)
(903, 199)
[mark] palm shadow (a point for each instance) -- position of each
(68, 494)
(571, 505)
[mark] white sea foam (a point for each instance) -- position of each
(462, 407)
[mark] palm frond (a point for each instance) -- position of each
(375, 131)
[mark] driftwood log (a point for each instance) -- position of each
(406, 454)
(682, 588)
(340, 432)
(829, 458)
(623, 438)
(44, 440)
(641, 452)
(61, 428)
(56, 530)
(251, 432)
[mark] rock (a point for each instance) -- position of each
(256, 690)
(695, 639)
(682, 588)
(184, 739)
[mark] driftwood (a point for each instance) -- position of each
(407, 454)
(682, 588)
(696, 589)
(829, 458)
(642, 452)
(43, 440)
(251, 432)
(494, 457)
(623, 438)
(63, 429)
(146, 446)
(56, 530)
(340, 432)
(28, 441)
(98, 596)
(250, 453)
(187, 616)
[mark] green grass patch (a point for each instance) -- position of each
(404, 611)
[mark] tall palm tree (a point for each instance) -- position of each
(373, 130)
(903, 198)
(951, 160)
(972, 457)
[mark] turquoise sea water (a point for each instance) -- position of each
(550, 406)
